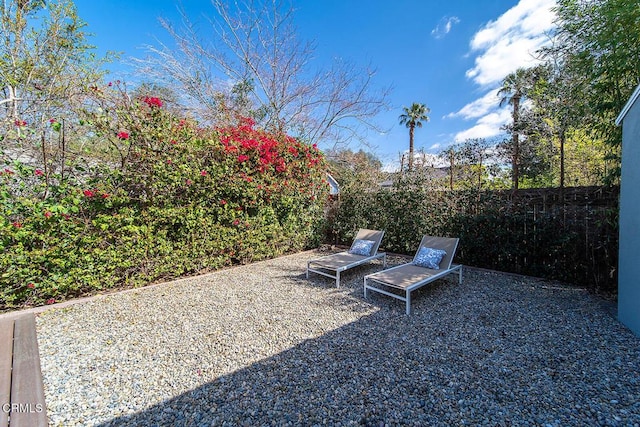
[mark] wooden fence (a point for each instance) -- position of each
(566, 234)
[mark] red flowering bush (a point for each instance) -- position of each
(152, 101)
(172, 199)
(258, 198)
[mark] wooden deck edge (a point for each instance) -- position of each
(6, 360)
(28, 407)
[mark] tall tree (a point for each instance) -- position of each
(413, 117)
(475, 153)
(512, 91)
(470, 163)
(516, 87)
(359, 171)
(255, 46)
(557, 103)
(451, 154)
(600, 44)
(46, 68)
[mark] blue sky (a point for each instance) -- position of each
(450, 55)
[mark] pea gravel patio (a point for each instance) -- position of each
(260, 345)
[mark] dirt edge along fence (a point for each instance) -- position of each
(568, 234)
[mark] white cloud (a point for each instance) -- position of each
(511, 41)
(487, 126)
(478, 107)
(480, 130)
(432, 160)
(391, 166)
(502, 46)
(444, 26)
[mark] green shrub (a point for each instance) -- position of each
(174, 200)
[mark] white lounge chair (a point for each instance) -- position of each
(424, 269)
(363, 250)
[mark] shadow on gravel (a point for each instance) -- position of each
(351, 284)
(503, 353)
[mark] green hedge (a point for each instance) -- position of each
(183, 200)
(571, 241)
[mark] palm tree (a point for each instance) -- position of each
(412, 118)
(514, 87)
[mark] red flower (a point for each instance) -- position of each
(38, 172)
(8, 171)
(20, 123)
(236, 222)
(223, 202)
(173, 141)
(230, 149)
(31, 286)
(123, 135)
(66, 216)
(189, 182)
(16, 224)
(152, 101)
(88, 193)
(51, 301)
(47, 214)
(247, 122)
(110, 84)
(249, 144)
(52, 120)
(243, 158)
(104, 195)
(203, 173)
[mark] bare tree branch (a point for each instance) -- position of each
(252, 47)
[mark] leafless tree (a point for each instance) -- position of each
(251, 62)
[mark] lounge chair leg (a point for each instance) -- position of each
(365, 287)
(307, 270)
(337, 279)
(408, 303)
(384, 262)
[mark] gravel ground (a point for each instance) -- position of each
(260, 345)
